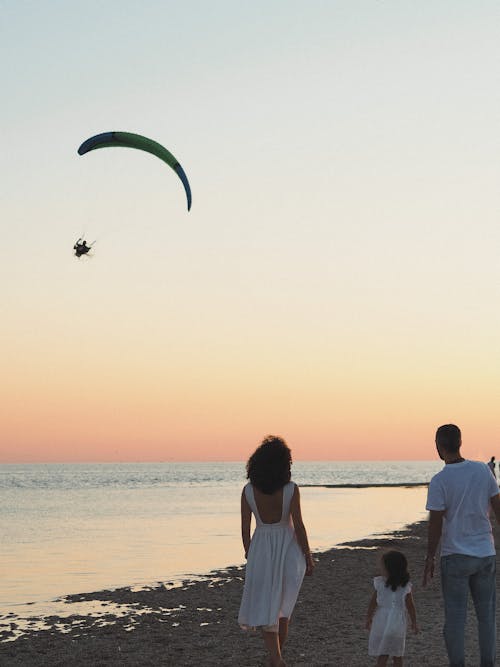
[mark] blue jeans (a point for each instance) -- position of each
(459, 574)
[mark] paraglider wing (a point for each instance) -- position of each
(131, 140)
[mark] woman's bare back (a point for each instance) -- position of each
(269, 506)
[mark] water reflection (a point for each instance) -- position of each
(106, 550)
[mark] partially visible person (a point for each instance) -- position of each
(459, 500)
(389, 604)
(491, 466)
(81, 247)
(278, 553)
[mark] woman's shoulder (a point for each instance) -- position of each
(246, 490)
(378, 583)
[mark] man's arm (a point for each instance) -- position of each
(495, 506)
(433, 537)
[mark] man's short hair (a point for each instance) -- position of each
(449, 437)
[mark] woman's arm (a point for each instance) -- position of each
(410, 606)
(372, 605)
(246, 516)
(300, 530)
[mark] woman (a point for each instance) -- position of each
(278, 554)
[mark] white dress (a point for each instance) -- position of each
(275, 568)
(388, 630)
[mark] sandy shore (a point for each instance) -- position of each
(196, 624)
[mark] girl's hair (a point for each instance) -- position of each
(268, 469)
(396, 566)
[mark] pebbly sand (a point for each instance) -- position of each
(195, 624)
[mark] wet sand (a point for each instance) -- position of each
(195, 624)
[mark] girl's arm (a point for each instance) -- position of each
(372, 605)
(410, 606)
(371, 610)
(246, 516)
(300, 530)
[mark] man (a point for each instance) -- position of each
(458, 500)
(491, 466)
(81, 248)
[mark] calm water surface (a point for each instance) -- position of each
(79, 527)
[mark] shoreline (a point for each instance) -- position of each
(398, 485)
(196, 623)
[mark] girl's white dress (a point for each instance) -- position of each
(275, 568)
(388, 630)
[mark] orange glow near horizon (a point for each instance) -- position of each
(107, 397)
(202, 412)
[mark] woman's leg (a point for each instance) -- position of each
(397, 661)
(283, 631)
(382, 661)
(271, 640)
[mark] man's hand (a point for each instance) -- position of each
(433, 537)
(428, 570)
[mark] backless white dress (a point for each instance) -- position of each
(275, 568)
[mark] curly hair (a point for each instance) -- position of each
(268, 469)
(396, 566)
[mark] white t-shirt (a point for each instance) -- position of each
(464, 490)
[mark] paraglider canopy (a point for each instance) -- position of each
(130, 140)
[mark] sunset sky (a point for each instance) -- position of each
(337, 280)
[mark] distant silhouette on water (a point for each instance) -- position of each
(491, 466)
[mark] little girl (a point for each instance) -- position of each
(386, 617)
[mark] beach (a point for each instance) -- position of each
(196, 623)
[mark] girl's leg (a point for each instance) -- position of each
(283, 631)
(382, 661)
(271, 640)
(397, 661)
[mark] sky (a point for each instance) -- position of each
(337, 280)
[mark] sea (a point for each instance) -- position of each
(75, 528)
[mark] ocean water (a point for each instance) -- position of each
(72, 528)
